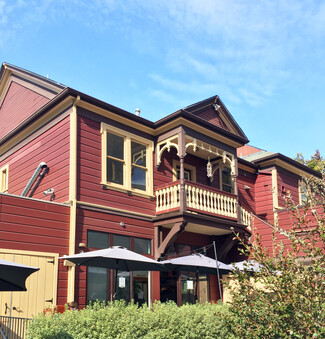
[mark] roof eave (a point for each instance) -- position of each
(184, 114)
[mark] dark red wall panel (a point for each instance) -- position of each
(51, 147)
(20, 102)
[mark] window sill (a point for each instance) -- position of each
(106, 186)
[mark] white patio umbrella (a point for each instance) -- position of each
(116, 257)
(249, 265)
(13, 276)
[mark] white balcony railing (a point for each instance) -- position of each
(201, 199)
(246, 217)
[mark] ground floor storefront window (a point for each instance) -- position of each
(184, 287)
(103, 285)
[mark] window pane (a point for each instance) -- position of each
(140, 287)
(138, 154)
(121, 240)
(142, 246)
(226, 176)
(114, 171)
(115, 146)
(227, 188)
(187, 174)
(123, 286)
(97, 239)
(138, 178)
(188, 285)
(97, 284)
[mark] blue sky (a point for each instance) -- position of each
(265, 59)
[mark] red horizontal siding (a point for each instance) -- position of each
(246, 196)
(19, 103)
(89, 174)
(287, 183)
(51, 147)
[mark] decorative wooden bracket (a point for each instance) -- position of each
(175, 231)
(228, 244)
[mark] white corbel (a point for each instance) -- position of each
(167, 145)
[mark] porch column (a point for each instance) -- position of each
(182, 153)
(236, 191)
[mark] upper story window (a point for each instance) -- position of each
(302, 193)
(4, 172)
(226, 180)
(126, 161)
(189, 171)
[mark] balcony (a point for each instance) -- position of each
(200, 198)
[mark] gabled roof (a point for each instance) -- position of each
(210, 114)
(214, 111)
(21, 94)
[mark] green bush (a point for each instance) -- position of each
(119, 320)
(286, 299)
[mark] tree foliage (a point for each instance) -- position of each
(286, 299)
(316, 162)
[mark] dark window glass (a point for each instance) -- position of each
(187, 174)
(142, 246)
(115, 146)
(139, 154)
(123, 286)
(115, 171)
(138, 178)
(97, 283)
(97, 239)
(226, 180)
(188, 285)
(121, 240)
(140, 287)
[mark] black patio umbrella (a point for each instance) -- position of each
(118, 258)
(13, 276)
(197, 263)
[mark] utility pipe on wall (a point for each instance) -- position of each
(33, 178)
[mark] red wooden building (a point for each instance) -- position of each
(78, 174)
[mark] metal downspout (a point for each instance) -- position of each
(33, 178)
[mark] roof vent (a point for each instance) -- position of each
(137, 111)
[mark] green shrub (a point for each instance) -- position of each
(119, 320)
(289, 299)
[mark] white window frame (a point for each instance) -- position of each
(4, 177)
(127, 167)
(301, 193)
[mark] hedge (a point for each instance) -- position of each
(119, 320)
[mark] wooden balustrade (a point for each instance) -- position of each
(200, 198)
(245, 217)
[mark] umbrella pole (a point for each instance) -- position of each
(218, 275)
(149, 289)
(197, 283)
(115, 286)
